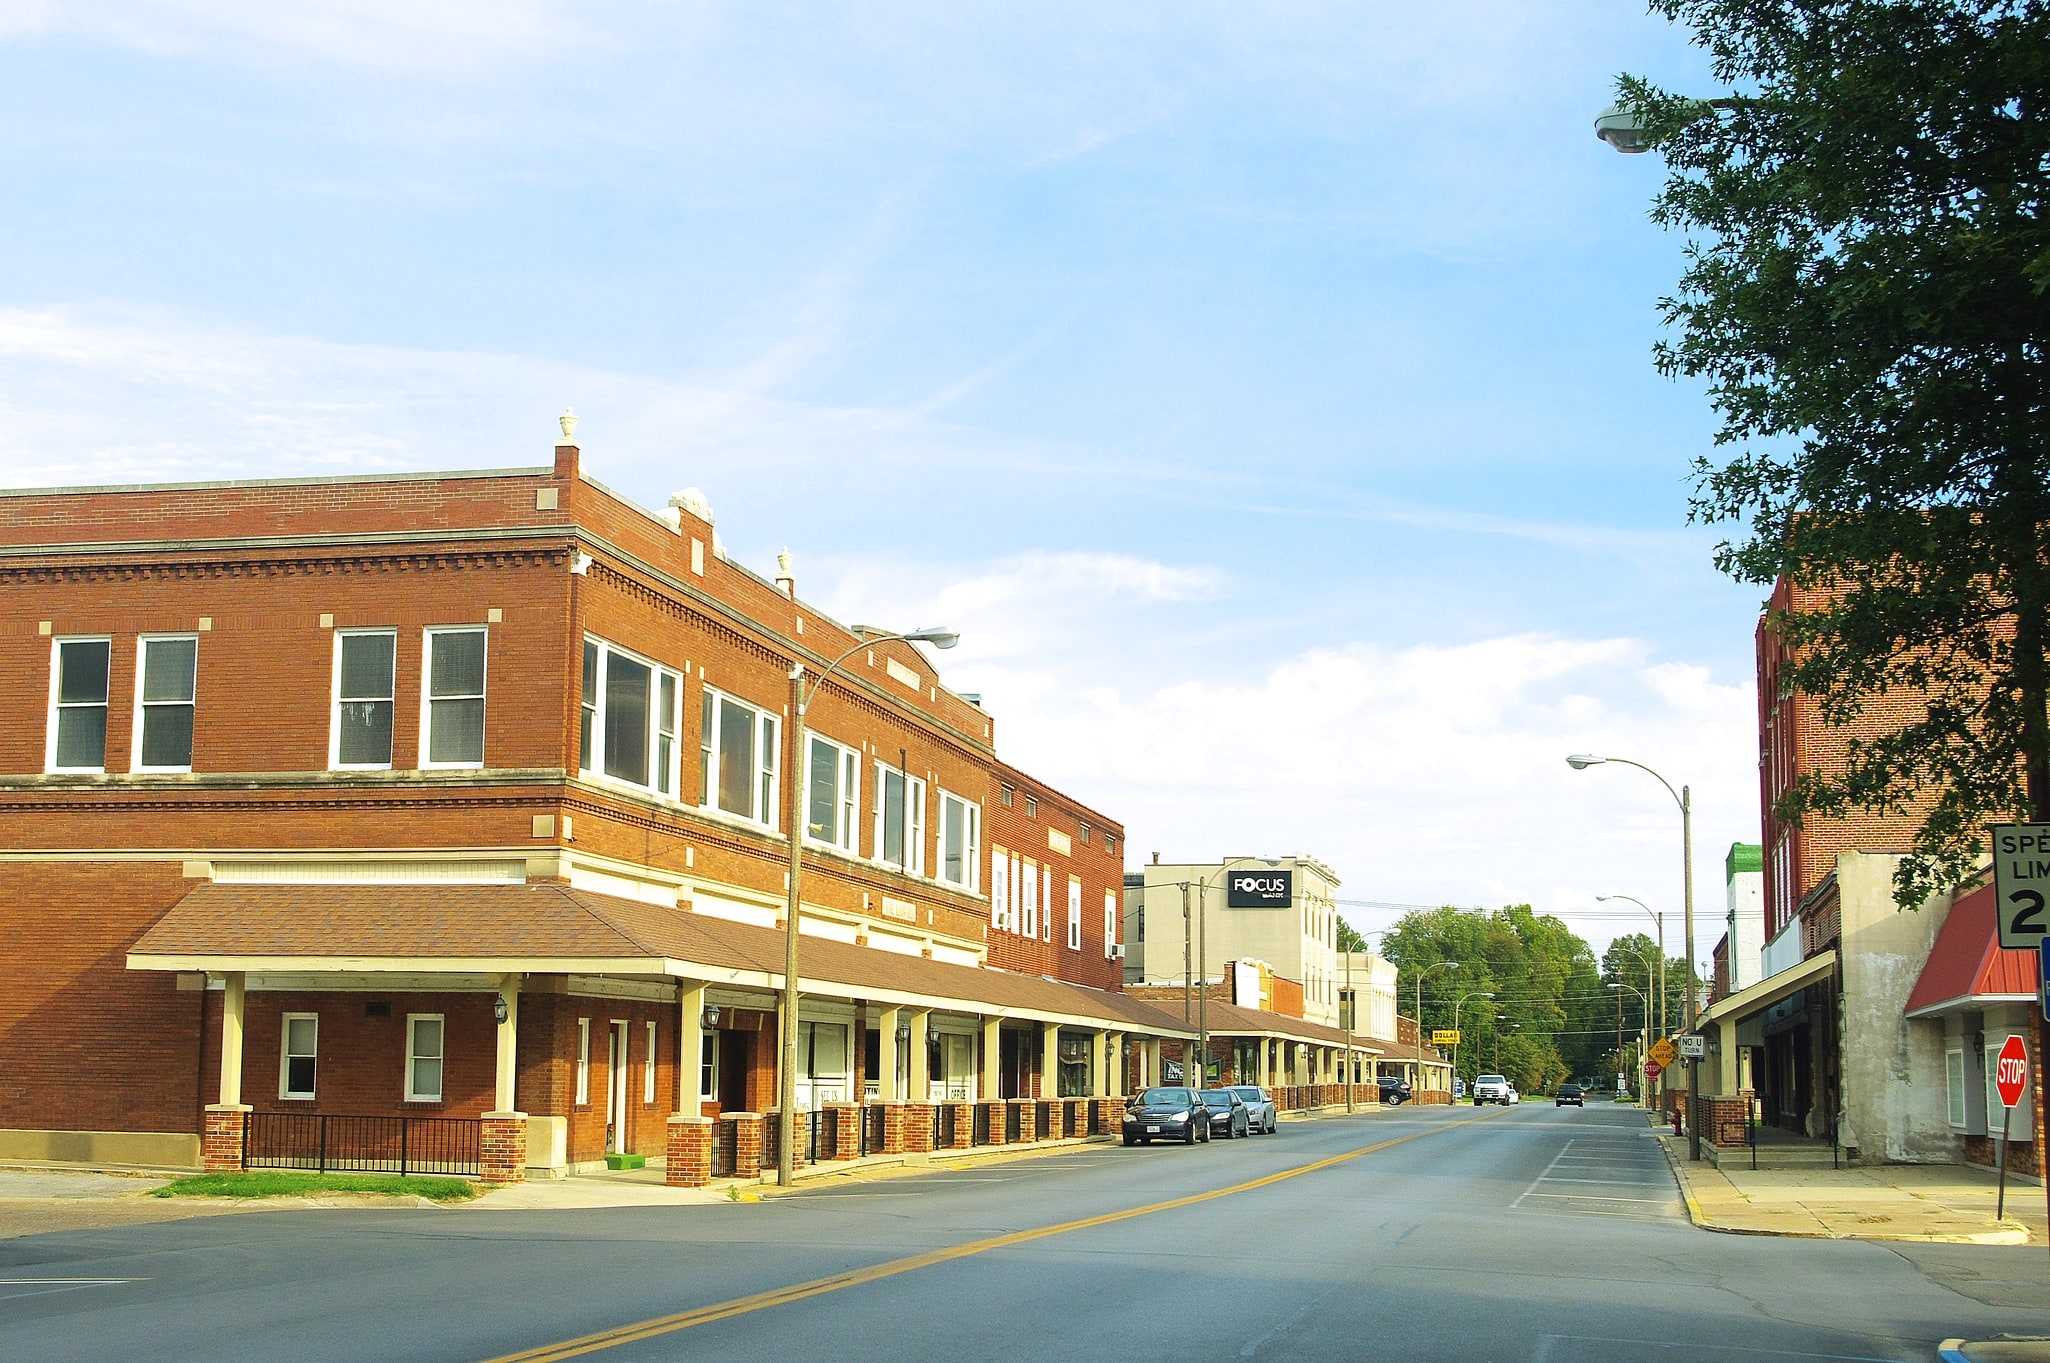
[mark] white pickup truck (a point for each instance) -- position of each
(1490, 1088)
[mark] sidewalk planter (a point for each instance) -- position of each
(619, 1160)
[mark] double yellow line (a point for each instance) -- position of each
(782, 1296)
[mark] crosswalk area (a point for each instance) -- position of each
(1612, 1171)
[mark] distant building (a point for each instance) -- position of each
(1281, 911)
(1744, 877)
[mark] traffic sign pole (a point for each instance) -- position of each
(2011, 1077)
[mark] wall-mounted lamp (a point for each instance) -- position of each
(903, 1031)
(712, 1015)
(499, 1010)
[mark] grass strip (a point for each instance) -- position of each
(285, 1183)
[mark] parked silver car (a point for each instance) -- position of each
(1260, 1114)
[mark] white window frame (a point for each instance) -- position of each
(427, 697)
(583, 1062)
(286, 1055)
(440, 1057)
(765, 780)
(914, 818)
(336, 700)
(1046, 903)
(971, 849)
(664, 776)
(1956, 1111)
(104, 704)
(648, 1068)
(1074, 913)
(1110, 924)
(1000, 890)
(846, 794)
(142, 706)
(1028, 900)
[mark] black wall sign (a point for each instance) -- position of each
(1261, 889)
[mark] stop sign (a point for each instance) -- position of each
(2011, 1071)
(1652, 1068)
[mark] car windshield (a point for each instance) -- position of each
(1216, 1098)
(1251, 1095)
(1163, 1098)
(1491, 1079)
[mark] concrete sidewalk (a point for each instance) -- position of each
(1938, 1203)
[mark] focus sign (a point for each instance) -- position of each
(1263, 889)
(1662, 1052)
(1693, 1046)
(2021, 882)
(1444, 1036)
(2011, 1071)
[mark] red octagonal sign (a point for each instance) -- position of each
(2011, 1071)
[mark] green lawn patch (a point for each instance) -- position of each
(286, 1183)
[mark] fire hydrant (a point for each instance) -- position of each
(1676, 1122)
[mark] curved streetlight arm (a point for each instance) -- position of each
(938, 638)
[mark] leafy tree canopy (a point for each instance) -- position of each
(1864, 297)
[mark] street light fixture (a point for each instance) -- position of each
(801, 697)
(1620, 127)
(1420, 1024)
(1645, 1044)
(1684, 798)
(1477, 994)
(1660, 920)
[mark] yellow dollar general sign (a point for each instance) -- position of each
(1663, 1052)
(1444, 1036)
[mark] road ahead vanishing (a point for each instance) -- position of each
(1527, 1233)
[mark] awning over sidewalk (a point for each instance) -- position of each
(1967, 966)
(1768, 991)
(554, 929)
(1229, 1020)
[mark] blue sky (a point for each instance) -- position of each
(1264, 391)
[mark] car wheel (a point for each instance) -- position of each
(1189, 1136)
(1131, 1140)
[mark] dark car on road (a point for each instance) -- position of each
(1167, 1114)
(1394, 1091)
(1569, 1093)
(1227, 1113)
(1260, 1114)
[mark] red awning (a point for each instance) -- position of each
(1968, 964)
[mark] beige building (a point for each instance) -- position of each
(1189, 921)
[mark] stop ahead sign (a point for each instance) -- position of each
(2011, 1071)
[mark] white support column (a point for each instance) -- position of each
(1099, 1065)
(508, 1065)
(690, 1049)
(231, 1039)
(918, 1074)
(886, 1056)
(1049, 1060)
(1117, 1066)
(992, 1059)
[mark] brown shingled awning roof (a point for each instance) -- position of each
(555, 929)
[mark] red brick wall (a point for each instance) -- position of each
(362, 1062)
(1022, 827)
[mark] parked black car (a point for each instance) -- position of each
(1569, 1093)
(1167, 1114)
(1394, 1092)
(1228, 1115)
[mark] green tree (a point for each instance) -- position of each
(1864, 298)
(1349, 938)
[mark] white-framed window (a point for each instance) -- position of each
(960, 842)
(1110, 842)
(166, 685)
(1074, 913)
(741, 758)
(648, 1068)
(629, 719)
(1110, 923)
(424, 1035)
(299, 1055)
(583, 1061)
(1000, 889)
(832, 794)
(900, 819)
(1027, 890)
(1046, 903)
(78, 704)
(1954, 1083)
(452, 701)
(361, 724)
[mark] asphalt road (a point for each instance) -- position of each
(1529, 1233)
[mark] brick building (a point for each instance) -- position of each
(459, 803)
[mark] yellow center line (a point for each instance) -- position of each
(762, 1301)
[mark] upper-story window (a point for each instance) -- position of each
(1082, 831)
(167, 671)
(1005, 794)
(452, 722)
(360, 729)
(1031, 806)
(960, 842)
(832, 794)
(1110, 842)
(900, 819)
(630, 711)
(78, 705)
(740, 752)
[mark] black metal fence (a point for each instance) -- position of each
(978, 1125)
(872, 1129)
(943, 1126)
(1014, 1123)
(324, 1142)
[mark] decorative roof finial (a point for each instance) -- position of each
(568, 422)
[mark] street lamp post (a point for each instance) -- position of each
(801, 697)
(1645, 1044)
(1420, 1024)
(1203, 965)
(1660, 920)
(1684, 798)
(1477, 994)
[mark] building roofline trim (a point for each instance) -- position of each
(321, 480)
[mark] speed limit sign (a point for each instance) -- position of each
(2021, 882)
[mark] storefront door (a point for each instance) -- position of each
(615, 1093)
